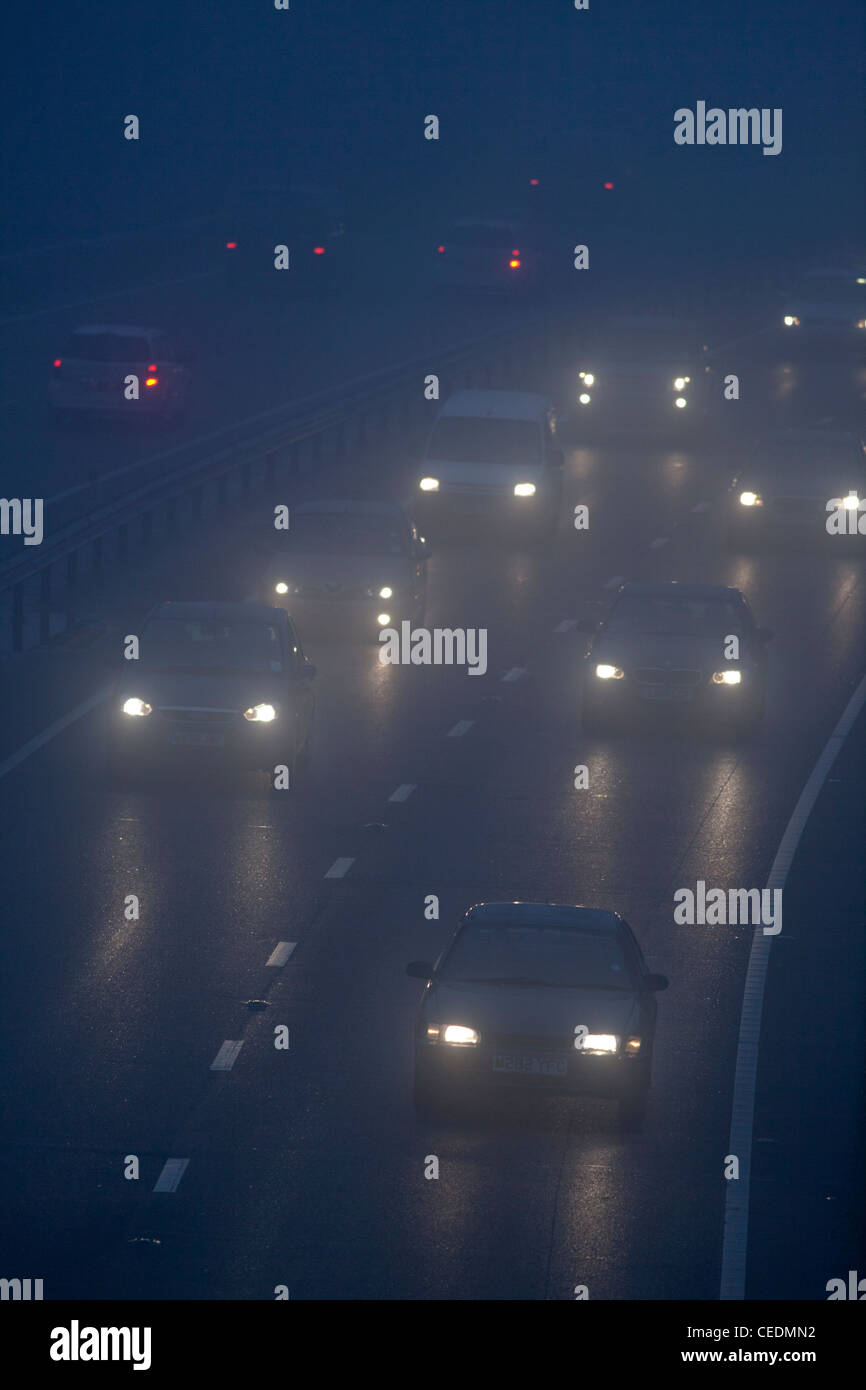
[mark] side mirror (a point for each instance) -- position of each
(656, 982)
(588, 625)
(765, 634)
(420, 969)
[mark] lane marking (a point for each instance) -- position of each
(515, 673)
(701, 507)
(565, 625)
(52, 731)
(658, 542)
(735, 1239)
(615, 582)
(403, 792)
(227, 1056)
(339, 868)
(172, 1171)
(460, 728)
(281, 952)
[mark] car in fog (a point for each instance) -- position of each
(492, 456)
(536, 997)
(641, 371)
(787, 483)
(827, 306)
(665, 644)
(308, 219)
(91, 374)
(488, 254)
(213, 681)
(357, 566)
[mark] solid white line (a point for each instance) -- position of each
(658, 542)
(281, 952)
(735, 1240)
(52, 731)
(565, 625)
(226, 1057)
(515, 673)
(403, 792)
(339, 868)
(615, 582)
(172, 1171)
(460, 728)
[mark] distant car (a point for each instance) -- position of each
(361, 566)
(90, 375)
(667, 644)
(826, 306)
(488, 254)
(224, 681)
(641, 371)
(309, 220)
(492, 455)
(786, 482)
(538, 996)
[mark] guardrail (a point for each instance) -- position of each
(50, 579)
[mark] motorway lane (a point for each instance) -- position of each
(325, 1153)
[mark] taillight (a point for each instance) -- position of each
(151, 381)
(231, 246)
(608, 185)
(152, 368)
(318, 250)
(57, 364)
(514, 265)
(441, 250)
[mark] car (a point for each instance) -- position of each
(494, 253)
(536, 997)
(786, 483)
(90, 375)
(308, 219)
(827, 306)
(224, 681)
(642, 371)
(359, 566)
(668, 644)
(492, 456)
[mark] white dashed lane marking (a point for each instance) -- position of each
(615, 582)
(339, 868)
(226, 1057)
(460, 728)
(515, 673)
(565, 625)
(701, 507)
(658, 542)
(281, 952)
(172, 1172)
(403, 792)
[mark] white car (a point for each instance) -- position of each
(827, 305)
(93, 373)
(492, 455)
(486, 254)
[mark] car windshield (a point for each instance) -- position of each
(303, 208)
(343, 533)
(107, 347)
(551, 956)
(680, 616)
(465, 439)
(172, 644)
(630, 340)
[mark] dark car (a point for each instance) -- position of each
(309, 220)
(541, 997)
(91, 375)
(354, 566)
(791, 482)
(667, 644)
(225, 681)
(641, 372)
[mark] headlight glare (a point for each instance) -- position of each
(599, 1042)
(429, 484)
(524, 489)
(751, 499)
(609, 673)
(260, 714)
(137, 708)
(727, 677)
(459, 1036)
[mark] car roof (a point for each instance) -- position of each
(495, 405)
(218, 612)
(330, 506)
(597, 920)
(672, 588)
(119, 330)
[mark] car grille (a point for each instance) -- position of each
(649, 675)
(527, 1042)
(199, 716)
(805, 507)
(337, 592)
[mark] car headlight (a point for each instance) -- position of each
(599, 1042)
(386, 592)
(851, 502)
(429, 484)
(680, 382)
(459, 1036)
(587, 378)
(632, 1047)
(524, 489)
(727, 677)
(751, 499)
(260, 714)
(680, 402)
(281, 588)
(609, 673)
(791, 321)
(584, 398)
(383, 619)
(861, 323)
(137, 708)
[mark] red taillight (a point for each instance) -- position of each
(515, 265)
(57, 362)
(152, 368)
(318, 250)
(151, 381)
(534, 183)
(231, 246)
(608, 185)
(441, 250)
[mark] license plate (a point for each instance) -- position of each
(197, 738)
(521, 1064)
(666, 692)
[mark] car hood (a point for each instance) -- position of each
(677, 653)
(541, 1011)
(817, 487)
(200, 691)
(363, 571)
(481, 477)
